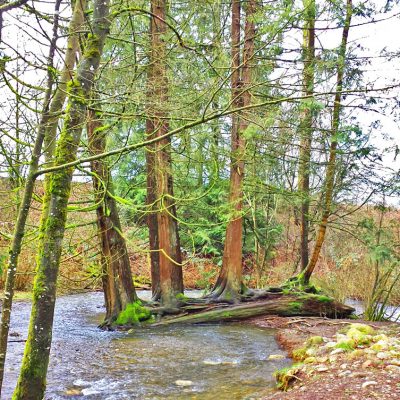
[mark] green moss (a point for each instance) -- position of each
(314, 340)
(92, 46)
(297, 284)
(299, 354)
(181, 297)
(286, 376)
(366, 329)
(133, 314)
(295, 305)
(348, 345)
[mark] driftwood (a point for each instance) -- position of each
(286, 305)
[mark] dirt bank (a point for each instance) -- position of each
(343, 365)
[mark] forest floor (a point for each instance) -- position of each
(336, 371)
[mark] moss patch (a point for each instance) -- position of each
(133, 314)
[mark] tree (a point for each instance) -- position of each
(306, 128)
(229, 282)
(32, 379)
(116, 270)
(52, 106)
(331, 167)
(164, 241)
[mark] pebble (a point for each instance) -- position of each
(369, 383)
(73, 392)
(276, 357)
(383, 355)
(322, 369)
(393, 368)
(182, 382)
(337, 351)
(366, 364)
(211, 362)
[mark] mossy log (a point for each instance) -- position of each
(286, 305)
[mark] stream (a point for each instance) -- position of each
(224, 362)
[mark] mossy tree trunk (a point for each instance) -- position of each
(23, 210)
(331, 167)
(116, 270)
(306, 128)
(285, 305)
(32, 379)
(229, 282)
(166, 268)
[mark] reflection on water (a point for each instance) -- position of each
(193, 362)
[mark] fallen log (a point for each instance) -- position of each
(285, 305)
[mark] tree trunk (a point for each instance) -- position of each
(272, 304)
(229, 283)
(117, 276)
(165, 250)
(32, 379)
(24, 206)
(331, 167)
(306, 128)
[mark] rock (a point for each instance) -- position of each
(366, 364)
(366, 329)
(393, 368)
(380, 337)
(383, 355)
(229, 362)
(73, 392)
(314, 340)
(276, 357)
(311, 352)
(322, 359)
(343, 366)
(337, 351)
(357, 353)
(309, 360)
(183, 383)
(358, 336)
(380, 345)
(211, 362)
(369, 383)
(346, 344)
(322, 369)
(330, 344)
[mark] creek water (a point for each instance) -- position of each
(224, 362)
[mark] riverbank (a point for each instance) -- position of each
(335, 365)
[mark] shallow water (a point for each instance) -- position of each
(224, 362)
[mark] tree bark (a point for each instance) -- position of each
(117, 279)
(165, 250)
(331, 167)
(306, 128)
(229, 282)
(32, 379)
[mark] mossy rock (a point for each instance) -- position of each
(364, 328)
(299, 354)
(314, 341)
(346, 344)
(359, 337)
